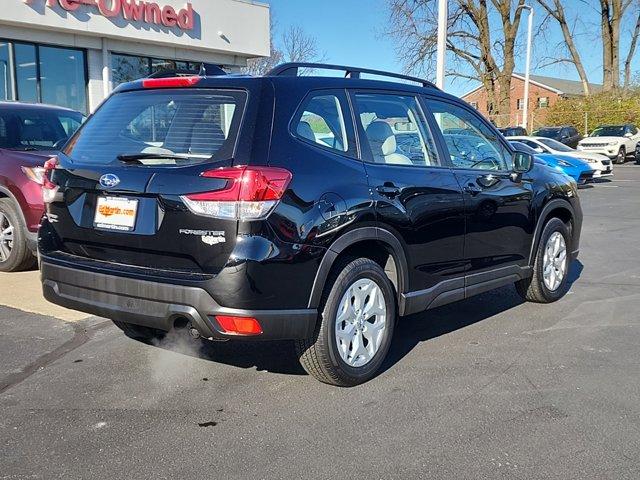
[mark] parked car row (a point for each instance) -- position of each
(616, 142)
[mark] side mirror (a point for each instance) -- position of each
(628, 135)
(522, 162)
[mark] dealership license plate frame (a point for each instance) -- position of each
(119, 222)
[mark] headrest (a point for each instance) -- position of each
(305, 131)
(381, 137)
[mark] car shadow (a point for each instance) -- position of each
(280, 356)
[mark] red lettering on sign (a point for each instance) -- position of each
(133, 10)
(169, 17)
(152, 13)
(185, 17)
(110, 11)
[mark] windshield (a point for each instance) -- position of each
(36, 128)
(555, 145)
(161, 127)
(521, 147)
(609, 131)
(547, 132)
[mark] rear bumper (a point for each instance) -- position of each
(159, 305)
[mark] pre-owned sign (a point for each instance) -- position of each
(133, 10)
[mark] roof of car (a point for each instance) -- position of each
(305, 76)
(34, 106)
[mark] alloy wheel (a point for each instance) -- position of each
(6, 237)
(360, 322)
(554, 265)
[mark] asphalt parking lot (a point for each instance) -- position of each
(487, 388)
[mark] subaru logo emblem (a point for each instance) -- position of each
(109, 180)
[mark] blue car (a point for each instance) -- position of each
(575, 168)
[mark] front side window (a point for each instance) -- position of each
(395, 129)
(161, 127)
(473, 145)
(320, 121)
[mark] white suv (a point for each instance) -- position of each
(614, 141)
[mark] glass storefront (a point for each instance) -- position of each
(42, 73)
(6, 82)
(126, 68)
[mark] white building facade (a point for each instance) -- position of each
(73, 52)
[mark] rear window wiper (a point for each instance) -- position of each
(136, 157)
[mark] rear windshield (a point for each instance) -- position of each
(36, 129)
(161, 127)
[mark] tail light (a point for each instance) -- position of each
(250, 193)
(49, 189)
(35, 174)
(239, 325)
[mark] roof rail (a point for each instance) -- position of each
(293, 69)
(203, 70)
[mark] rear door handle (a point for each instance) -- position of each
(388, 190)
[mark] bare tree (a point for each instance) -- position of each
(299, 46)
(632, 51)
(294, 45)
(611, 14)
(555, 10)
(470, 40)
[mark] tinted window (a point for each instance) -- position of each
(479, 147)
(193, 125)
(321, 121)
(62, 78)
(396, 130)
(33, 129)
(547, 132)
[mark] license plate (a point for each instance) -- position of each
(116, 213)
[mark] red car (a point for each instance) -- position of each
(29, 134)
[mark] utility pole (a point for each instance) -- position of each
(528, 66)
(443, 15)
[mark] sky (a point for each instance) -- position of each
(351, 32)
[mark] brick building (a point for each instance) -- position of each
(543, 92)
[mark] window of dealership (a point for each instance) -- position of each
(72, 53)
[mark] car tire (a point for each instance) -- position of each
(536, 288)
(15, 255)
(332, 354)
(140, 332)
(622, 156)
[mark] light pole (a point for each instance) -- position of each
(525, 108)
(442, 42)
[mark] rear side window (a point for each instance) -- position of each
(396, 130)
(320, 121)
(162, 127)
(35, 129)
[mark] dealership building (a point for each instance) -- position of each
(73, 52)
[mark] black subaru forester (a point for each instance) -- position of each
(312, 208)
